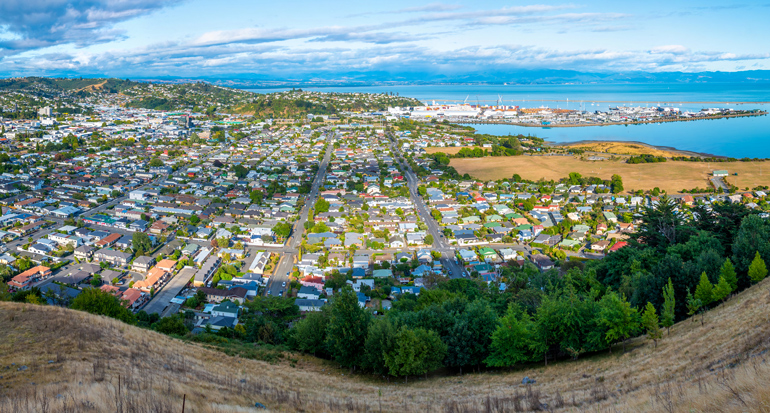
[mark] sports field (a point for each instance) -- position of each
(672, 176)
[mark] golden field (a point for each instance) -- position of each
(672, 176)
(76, 362)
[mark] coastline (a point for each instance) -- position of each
(662, 148)
(580, 125)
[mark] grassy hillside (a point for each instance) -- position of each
(58, 360)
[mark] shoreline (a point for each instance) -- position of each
(647, 145)
(580, 125)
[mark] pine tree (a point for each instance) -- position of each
(651, 324)
(757, 269)
(669, 303)
(705, 290)
(728, 272)
(694, 305)
(722, 289)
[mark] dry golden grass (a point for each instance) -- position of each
(450, 150)
(672, 176)
(717, 367)
(623, 148)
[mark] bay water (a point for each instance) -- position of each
(746, 137)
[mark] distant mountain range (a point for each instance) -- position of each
(374, 78)
(492, 77)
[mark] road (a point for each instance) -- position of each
(286, 264)
(440, 243)
(720, 183)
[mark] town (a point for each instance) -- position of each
(179, 210)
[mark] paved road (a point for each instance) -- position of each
(440, 243)
(285, 265)
(720, 183)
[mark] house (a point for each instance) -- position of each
(133, 298)
(600, 246)
(226, 309)
(543, 262)
(84, 252)
(306, 305)
(142, 264)
(308, 292)
(357, 284)
(25, 280)
(113, 257)
(215, 295)
(261, 259)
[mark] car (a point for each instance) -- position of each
(283, 284)
(280, 293)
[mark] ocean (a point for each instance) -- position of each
(747, 137)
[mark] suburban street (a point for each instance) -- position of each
(289, 254)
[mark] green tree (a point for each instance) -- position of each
(379, 342)
(694, 305)
(757, 269)
(617, 184)
(617, 316)
(141, 241)
(722, 290)
(194, 219)
(347, 329)
(96, 301)
(171, 325)
(669, 305)
(309, 334)
(155, 162)
(513, 340)
(429, 239)
(728, 273)
(256, 196)
(415, 351)
(705, 290)
(469, 338)
(651, 324)
(282, 229)
(321, 205)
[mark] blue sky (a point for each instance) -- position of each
(307, 39)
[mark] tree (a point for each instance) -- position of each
(256, 196)
(757, 269)
(650, 323)
(617, 184)
(309, 334)
(429, 239)
(347, 329)
(705, 290)
(513, 340)
(415, 351)
(694, 306)
(379, 342)
(469, 338)
(669, 304)
(171, 325)
(617, 316)
(96, 301)
(155, 162)
(728, 273)
(194, 219)
(282, 229)
(321, 205)
(141, 241)
(722, 290)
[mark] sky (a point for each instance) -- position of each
(323, 39)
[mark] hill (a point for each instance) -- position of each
(56, 360)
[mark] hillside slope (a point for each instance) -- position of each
(58, 360)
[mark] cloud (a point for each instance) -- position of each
(35, 24)
(672, 49)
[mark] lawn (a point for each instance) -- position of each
(672, 176)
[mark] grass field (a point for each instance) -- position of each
(672, 176)
(623, 148)
(81, 362)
